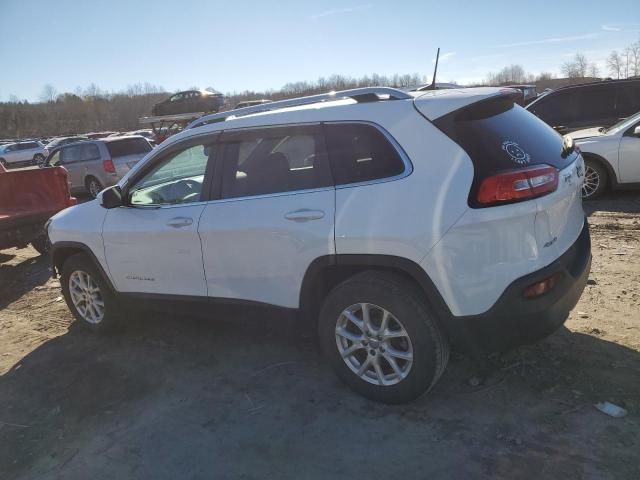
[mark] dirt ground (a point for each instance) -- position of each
(242, 396)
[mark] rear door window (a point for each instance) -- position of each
(596, 105)
(361, 153)
(89, 151)
(628, 100)
(128, 146)
(72, 154)
(274, 160)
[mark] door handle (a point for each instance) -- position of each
(178, 222)
(304, 215)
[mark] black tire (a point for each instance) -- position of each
(41, 244)
(407, 304)
(3, 162)
(81, 262)
(93, 186)
(38, 159)
(594, 171)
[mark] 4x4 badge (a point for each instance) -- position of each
(516, 152)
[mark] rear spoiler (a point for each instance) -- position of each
(438, 103)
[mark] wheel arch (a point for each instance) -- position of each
(325, 272)
(612, 180)
(61, 251)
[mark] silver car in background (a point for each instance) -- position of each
(20, 154)
(96, 164)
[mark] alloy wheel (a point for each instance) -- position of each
(591, 182)
(86, 297)
(94, 188)
(374, 344)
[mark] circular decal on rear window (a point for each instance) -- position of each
(516, 152)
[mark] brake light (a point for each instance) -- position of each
(518, 185)
(108, 166)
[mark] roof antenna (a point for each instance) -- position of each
(435, 71)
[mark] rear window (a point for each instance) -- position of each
(128, 146)
(361, 153)
(499, 135)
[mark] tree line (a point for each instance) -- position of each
(92, 109)
(625, 64)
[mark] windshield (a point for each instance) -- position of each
(622, 124)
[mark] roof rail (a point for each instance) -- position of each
(366, 94)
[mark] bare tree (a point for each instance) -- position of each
(594, 71)
(542, 76)
(634, 59)
(576, 68)
(49, 94)
(509, 74)
(615, 64)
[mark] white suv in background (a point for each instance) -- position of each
(400, 222)
(611, 155)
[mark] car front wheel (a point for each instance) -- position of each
(87, 294)
(38, 159)
(381, 338)
(595, 180)
(94, 187)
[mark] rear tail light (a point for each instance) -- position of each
(518, 185)
(108, 166)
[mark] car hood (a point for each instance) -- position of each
(586, 133)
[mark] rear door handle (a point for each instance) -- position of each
(178, 222)
(304, 215)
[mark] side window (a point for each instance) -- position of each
(176, 98)
(628, 100)
(274, 160)
(177, 179)
(89, 151)
(556, 109)
(596, 103)
(359, 153)
(72, 154)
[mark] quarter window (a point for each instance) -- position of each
(274, 160)
(360, 153)
(177, 179)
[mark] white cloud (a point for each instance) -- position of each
(444, 57)
(543, 41)
(609, 27)
(340, 11)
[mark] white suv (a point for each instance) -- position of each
(400, 222)
(611, 155)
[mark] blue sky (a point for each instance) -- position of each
(256, 44)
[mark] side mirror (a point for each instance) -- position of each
(111, 197)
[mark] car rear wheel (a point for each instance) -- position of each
(595, 180)
(87, 294)
(38, 159)
(94, 187)
(381, 338)
(3, 162)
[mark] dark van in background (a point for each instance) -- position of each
(599, 104)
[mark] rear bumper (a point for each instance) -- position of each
(515, 320)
